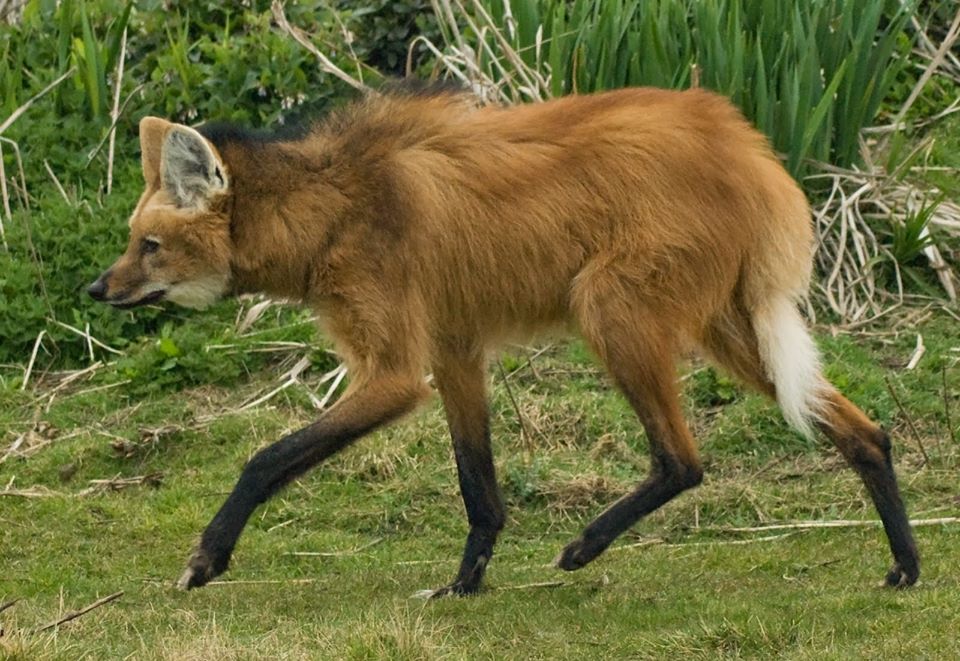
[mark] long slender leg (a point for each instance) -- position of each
(643, 368)
(357, 413)
(863, 444)
(866, 448)
(462, 387)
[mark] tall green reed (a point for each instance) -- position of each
(809, 73)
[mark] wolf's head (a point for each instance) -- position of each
(179, 246)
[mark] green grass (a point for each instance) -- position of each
(677, 586)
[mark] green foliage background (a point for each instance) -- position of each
(193, 61)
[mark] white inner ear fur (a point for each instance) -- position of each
(190, 170)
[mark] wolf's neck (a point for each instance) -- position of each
(286, 204)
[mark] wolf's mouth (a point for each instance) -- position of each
(152, 297)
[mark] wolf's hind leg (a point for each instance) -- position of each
(733, 342)
(640, 358)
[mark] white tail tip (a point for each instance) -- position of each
(791, 361)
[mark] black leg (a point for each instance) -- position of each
(666, 481)
(461, 384)
(866, 448)
(272, 468)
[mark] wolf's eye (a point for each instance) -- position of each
(149, 246)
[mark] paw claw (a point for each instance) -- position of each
(201, 568)
(456, 589)
(574, 556)
(185, 582)
(900, 578)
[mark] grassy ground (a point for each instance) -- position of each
(387, 518)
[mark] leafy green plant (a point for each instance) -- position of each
(711, 388)
(380, 31)
(910, 237)
(212, 60)
(95, 58)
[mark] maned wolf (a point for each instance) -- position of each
(425, 232)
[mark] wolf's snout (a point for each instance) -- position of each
(98, 290)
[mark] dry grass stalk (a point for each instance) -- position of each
(525, 436)
(33, 358)
(31, 492)
(534, 586)
(936, 61)
(83, 611)
(251, 316)
(946, 406)
(118, 483)
(267, 346)
(536, 353)
(926, 49)
(735, 542)
(836, 523)
(292, 581)
(3, 186)
(292, 377)
(337, 374)
(6, 200)
(15, 115)
(326, 64)
(909, 419)
(113, 125)
(56, 182)
(917, 353)
(88, 338)
(106, 386)
(115, 112)
(337, 554)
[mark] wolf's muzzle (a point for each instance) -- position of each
(98, 290)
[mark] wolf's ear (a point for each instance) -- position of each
(190, 170)
(152, 132)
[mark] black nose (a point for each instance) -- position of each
(98, 290)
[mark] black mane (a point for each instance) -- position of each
(411, 86)
(302, 122)
(221, 133)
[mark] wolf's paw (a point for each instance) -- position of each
(455, 589)
(201, 568)
(578, 553)
(900, 577)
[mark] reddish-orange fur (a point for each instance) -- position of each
(426, 232)
(483, 225)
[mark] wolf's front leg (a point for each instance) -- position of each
(461, 382)
(375, 403)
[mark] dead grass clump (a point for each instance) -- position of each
(552, 423)
(210, 640)
(576, 493)
(405, 634)
(614, 448)
(376, 464)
